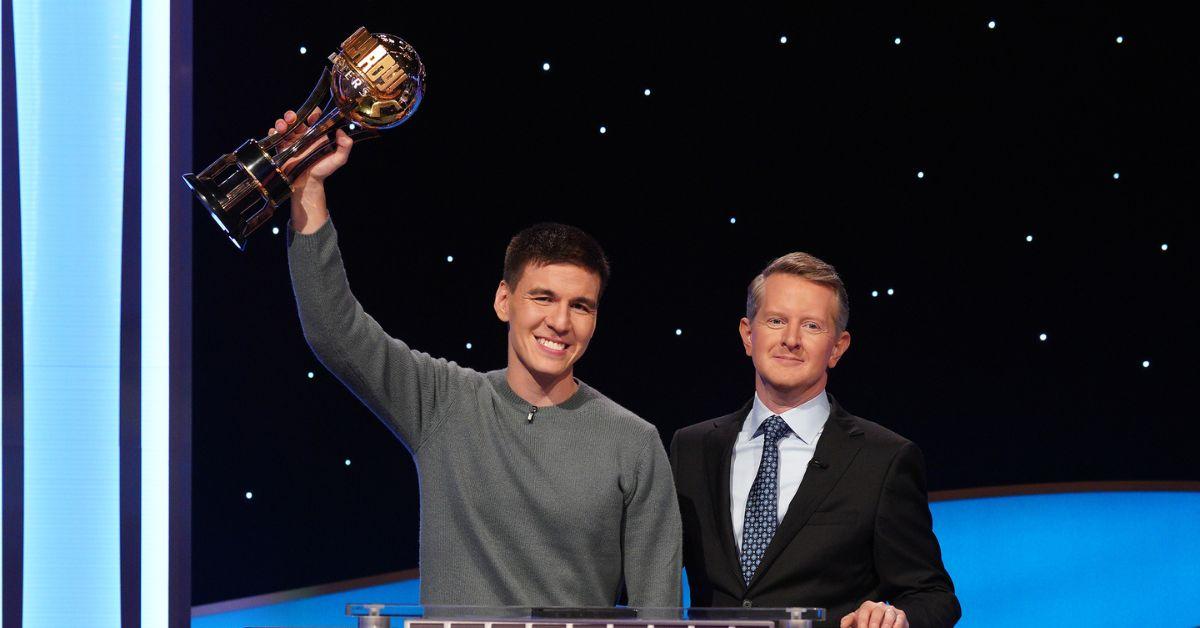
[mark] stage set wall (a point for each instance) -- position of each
(95, 349)
(96, 313)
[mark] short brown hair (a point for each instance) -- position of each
(553, 243)
(807, 267)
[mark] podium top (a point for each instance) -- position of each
(591, 617)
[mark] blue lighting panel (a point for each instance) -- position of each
(71, 67)
(322, 610)
(1084, 559)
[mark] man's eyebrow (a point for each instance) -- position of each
(591, 303)
(536, 290)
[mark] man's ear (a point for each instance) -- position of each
(839, 349)
(744, 330)
(501, 302)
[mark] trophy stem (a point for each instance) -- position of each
(319, 91)
(310, 151)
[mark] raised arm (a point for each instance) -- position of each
(406, 389)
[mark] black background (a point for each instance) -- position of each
(812, 145)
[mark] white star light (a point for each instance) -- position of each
(1042, 337)
(347, 462)
(891, 292)
(546, 66)
(1164, 246)
(311, 375)
(920, 174)
(646, 92)
(896, 41)
(783, 39)
(992, 25)
(275, 230)
(733, 220)
(303, 50)
(469, 346)
(1029, 238)
(874, 293)
(449, 258)
(603, 130)
(249, 495)
(678, 332)
(1120, 39)
(1116, 175)
(1145, 364)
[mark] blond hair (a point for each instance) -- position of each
(807, 267)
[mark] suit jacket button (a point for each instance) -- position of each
(747, 604)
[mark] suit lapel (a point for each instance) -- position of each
(836, 448)
(718, 454)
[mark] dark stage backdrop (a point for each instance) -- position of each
(921, 168)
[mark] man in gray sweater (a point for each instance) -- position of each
(536, 490)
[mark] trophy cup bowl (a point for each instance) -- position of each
(373, 82)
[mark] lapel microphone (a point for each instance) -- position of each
(818, 464)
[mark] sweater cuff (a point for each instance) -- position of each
(299, 242)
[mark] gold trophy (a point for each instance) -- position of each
(374, 82)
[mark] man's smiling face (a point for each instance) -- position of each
(551, 316)
(793, 338)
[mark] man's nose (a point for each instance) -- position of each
(559, 319)
(791, 337)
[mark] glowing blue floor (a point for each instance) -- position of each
(1097, 559)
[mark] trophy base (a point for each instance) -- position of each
(206, 197)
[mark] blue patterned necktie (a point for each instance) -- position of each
(762, 507)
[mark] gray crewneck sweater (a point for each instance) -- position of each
(552, 511)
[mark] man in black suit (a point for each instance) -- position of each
(791, 500)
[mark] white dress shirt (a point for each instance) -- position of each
(795, 452)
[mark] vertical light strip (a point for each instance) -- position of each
(2, 443)
(71, 66)
(155, 267)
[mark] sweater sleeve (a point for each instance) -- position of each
(652, 535)
(406, 389)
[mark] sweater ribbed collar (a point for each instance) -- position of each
(499, 381)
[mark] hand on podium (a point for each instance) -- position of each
(875, 615)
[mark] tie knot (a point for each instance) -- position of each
(774, 428)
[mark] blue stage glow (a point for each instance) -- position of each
(1106, 559)
(71, 206)
(1084, 559)
(323, 610)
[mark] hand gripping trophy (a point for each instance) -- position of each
(374, 82)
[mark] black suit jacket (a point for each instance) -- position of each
(858, 528)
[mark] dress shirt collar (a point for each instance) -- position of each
(806, 420)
